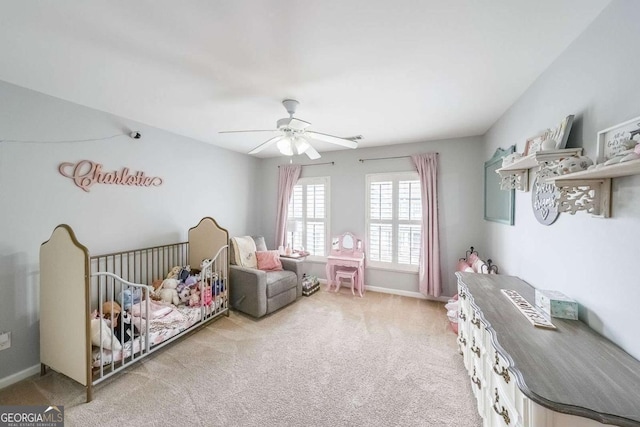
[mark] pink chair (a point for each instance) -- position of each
(351, 274)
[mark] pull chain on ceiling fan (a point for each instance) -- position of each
(294, 137)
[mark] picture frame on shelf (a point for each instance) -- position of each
(611, 141)
(534, 144)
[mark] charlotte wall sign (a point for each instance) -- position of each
(85, 173)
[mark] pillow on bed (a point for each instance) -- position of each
(268, 260)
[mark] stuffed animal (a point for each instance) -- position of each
(194, 298)
(207, 295)
(111, 310)
(167, 291)
(173, 273)
(130, 296)
(191, 280)
(184, 273)
(101, 335)
(126, 330)
(184, 295)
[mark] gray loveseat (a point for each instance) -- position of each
(256, 292)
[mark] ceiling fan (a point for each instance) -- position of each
(294, 138)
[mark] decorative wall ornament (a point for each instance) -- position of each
(591, 196)
(86, 173)
(544, 201)
(516, 181)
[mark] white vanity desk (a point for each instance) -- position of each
(527, 376)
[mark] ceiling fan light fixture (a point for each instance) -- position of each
(301, 145)
(285, 147)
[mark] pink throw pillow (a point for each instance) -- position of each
(269, 260)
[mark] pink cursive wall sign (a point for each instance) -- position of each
(86, 173)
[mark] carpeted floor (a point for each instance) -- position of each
(326, 360)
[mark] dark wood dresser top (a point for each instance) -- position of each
(571, 369)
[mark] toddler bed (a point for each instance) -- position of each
(100, 314)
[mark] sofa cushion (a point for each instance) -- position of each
(268, 260)
(280, 281)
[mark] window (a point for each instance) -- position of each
(308, 216)
(394, 220)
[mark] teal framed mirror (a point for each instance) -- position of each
(499, 205)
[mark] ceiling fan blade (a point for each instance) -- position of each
(292, 123)
(312, 153)
(266, 144)
(239, 131)
(332, 139)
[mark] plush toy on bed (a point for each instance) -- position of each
(168, 292)
(130, 296)
(173, 273)
(194, 298)
(101, 335)
(184, 295)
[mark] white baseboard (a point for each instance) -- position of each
(396, 292)
(19, 376)
(410, 294)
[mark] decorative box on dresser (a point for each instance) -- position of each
(523, 375)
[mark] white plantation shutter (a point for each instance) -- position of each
(394, 215)
(307, 224)
(294, 238)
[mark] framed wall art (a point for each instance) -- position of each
(614, 140)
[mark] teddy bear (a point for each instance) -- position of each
(167, 292)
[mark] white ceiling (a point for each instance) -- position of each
(394, 71)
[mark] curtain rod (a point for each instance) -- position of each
(316, 164)
(384, 158)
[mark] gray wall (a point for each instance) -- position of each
(460, 203)
(35, 198)
(592, 260)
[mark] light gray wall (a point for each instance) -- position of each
(592, 260)
(199, 180)
(460, 202)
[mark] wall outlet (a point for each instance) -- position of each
(5, 340)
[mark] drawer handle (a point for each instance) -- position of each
(475, 321)
(462, 340)
(475, 349)
(501, 411)
(476, 380)
(503, 372)
(462, 315)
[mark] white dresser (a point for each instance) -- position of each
(527, 376)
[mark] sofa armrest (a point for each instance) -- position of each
(248, 290)
(297, 266)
